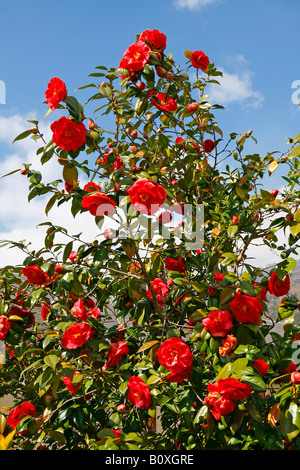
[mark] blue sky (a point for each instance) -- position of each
(255, 44)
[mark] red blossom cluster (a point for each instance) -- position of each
(224, 394)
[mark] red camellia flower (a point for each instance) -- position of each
(233, 389)
(19, 412)
(246, 309)
(156, 39)
(218, 277)
(99, 204)
(208, 145)
(290, 368)
(223, 395)
(59, 269)
(73, 389)
(73, 257)
(3, 327)
(35, 275)
(68, 134)
(229, 344)
(175, 265)
(219, 406)
(91, 187)
(179, 377)
(278, 287)
(262, 294)
(160, 101)
(199, 60)
(139, 392)
(218, 323)
(55, 92)
(135, 57)
(115, 353)
(295, 377)
(180, 142)
(165, 217)
(261, 366)
(124, 65)
(161, 289)
(27, 316)
(76, 335)
(117, 164)
(70, 188)
(146, 195)
(176, 356)
(45, 311)
(79, 310)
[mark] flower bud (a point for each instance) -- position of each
(289, 217)
(161, 72)
(274, 192)
(92, 125)
(121, 408)
(3, 422)
(140, 86)
(193, 107)
(151, 92)
(24, 170)
(295, 377)
(235, 220)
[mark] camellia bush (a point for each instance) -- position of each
(157, 334)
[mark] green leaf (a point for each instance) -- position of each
(78, 418)
(241, 192)
(290, 422)
(74, 107)
(226, 295)
(51, 203)
(247, 288)
(236, 420)
(70, 175)
(51, 361)
(295, 229)
(67, 251)
(23, 135)
(232, 229)
(105, 433)
(115, 419)
(255, 381)
(200, 415)
(147, 345)
(295, 152)
(224, 372)
(239, 365)
(10, 173)
(272, 167)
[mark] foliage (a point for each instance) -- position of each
(179, 148)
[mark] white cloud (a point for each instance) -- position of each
(193, 4)
(236, 87)
(18, 217)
